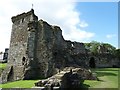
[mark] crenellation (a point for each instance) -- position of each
(23, 16)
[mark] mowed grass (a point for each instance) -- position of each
(108, 78)
(19, 84)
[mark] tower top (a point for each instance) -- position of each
(20, 16)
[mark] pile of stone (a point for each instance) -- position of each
(69, 77)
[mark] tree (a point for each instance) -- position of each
(110, 49)
(97, 47)
(92, 46)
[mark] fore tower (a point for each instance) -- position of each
(22, 45)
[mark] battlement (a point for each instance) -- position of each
(23, 15)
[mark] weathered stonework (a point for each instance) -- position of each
(38, 50)
(70, 77)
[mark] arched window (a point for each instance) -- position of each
(22, 20)
(23, 60)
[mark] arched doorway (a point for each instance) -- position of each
(92, 62)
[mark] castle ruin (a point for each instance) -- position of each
(38, 50)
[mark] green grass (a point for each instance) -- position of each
(108, 78)
(19, 84)
(3, 65)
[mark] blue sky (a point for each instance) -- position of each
(80, 21)
(102, 19)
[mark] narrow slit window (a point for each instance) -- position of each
(23, 60)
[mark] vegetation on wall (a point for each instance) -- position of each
(117, 53)
(97, 47)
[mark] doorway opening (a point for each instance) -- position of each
(92, 62)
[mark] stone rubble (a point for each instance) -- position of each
(69, 77)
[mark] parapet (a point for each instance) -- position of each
(20, 16)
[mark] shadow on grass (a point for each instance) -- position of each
(84, 87)
(101, 80)
(105, 69)
(100, 74)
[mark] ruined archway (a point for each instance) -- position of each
(92, 62)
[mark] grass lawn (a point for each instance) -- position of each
(108, 79)
(19, 84)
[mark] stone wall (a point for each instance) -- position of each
(104, 60)
(53, 52)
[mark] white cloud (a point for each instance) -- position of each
(110, 36)
(83, 24)
(78, 35)
(61, 13)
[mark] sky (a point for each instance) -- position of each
(80, 21)
(102, 19)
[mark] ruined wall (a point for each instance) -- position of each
(104, 60)
(44, 48)
(77, 53)
(53, 52)
(37, 48)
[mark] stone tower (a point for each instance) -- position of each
(22, 45)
